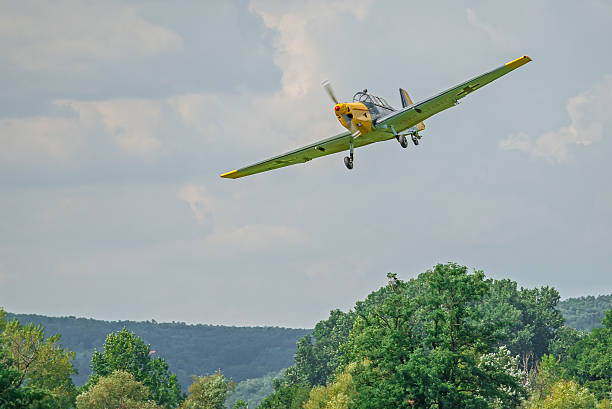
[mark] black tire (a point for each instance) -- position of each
(403, 141)
(415, 140)
(348, 162)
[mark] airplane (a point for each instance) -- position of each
(370, 119)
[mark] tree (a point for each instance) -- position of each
(316, 364)
(240, 404)
(339, 394)
(427, 345)
(527, 319)
(119, 390)
(286, 397)
(589, 360)
(38, 365)
(566, 395)
(124, 351)
(13, 395)
(208, 392)
(540, 322)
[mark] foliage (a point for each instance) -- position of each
(286, 397)
(563, 342)
(589, 360)
(432, 350)
(585, 313)
(316, 364)
(242, 352)
(565, 395)
(253, 391)
(208, 392)
(124, 351)
(119, 390)
(339, 394)
(36, 365)
(12, 394)
(240, 404)
(527, 319)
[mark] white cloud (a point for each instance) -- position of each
(211, 212)
(131, 122)
(494, 34)
(589, 115)
(200, 203)
(41, 137)
(69, 34)
(256, 237)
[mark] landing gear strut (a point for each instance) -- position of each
(348, 160)
(400, 138)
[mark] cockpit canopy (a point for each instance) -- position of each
(366, 98)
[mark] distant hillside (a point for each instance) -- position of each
(585, 313)
(240, 352)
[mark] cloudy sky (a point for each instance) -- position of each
(117, 117)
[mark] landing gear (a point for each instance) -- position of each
(348, 160)
(400, 138)
(415, 140)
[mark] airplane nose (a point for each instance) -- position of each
(337, 108)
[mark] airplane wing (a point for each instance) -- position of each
(413, 114)
(327, 146)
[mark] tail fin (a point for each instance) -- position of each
(406, 101)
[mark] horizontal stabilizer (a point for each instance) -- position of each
(406, 102)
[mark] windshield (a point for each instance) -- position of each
(372, 99)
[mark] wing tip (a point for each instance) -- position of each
(230, 175)
(518, 62)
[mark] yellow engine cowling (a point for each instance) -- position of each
(354, 117)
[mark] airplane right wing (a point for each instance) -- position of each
(416, 113)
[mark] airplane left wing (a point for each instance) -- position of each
(327, 146)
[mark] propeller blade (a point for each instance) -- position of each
(327, 85)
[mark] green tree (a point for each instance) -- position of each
(240, 404)
(527, 319)
(339, 394)
(208, 392)
(566, 395)
(590, 359)
(42, 366)
(119, 390)
(286, 397)
(13, 395)
(316, 364)
(432, 349)
(124, 351)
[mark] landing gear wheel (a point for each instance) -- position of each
(415, 140)
(348, 162)
(403, 141)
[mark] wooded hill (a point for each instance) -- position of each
(240, 352)
(585, 313)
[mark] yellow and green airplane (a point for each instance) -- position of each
(370, 119)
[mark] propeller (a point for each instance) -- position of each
(330, 91)
(327, 85)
